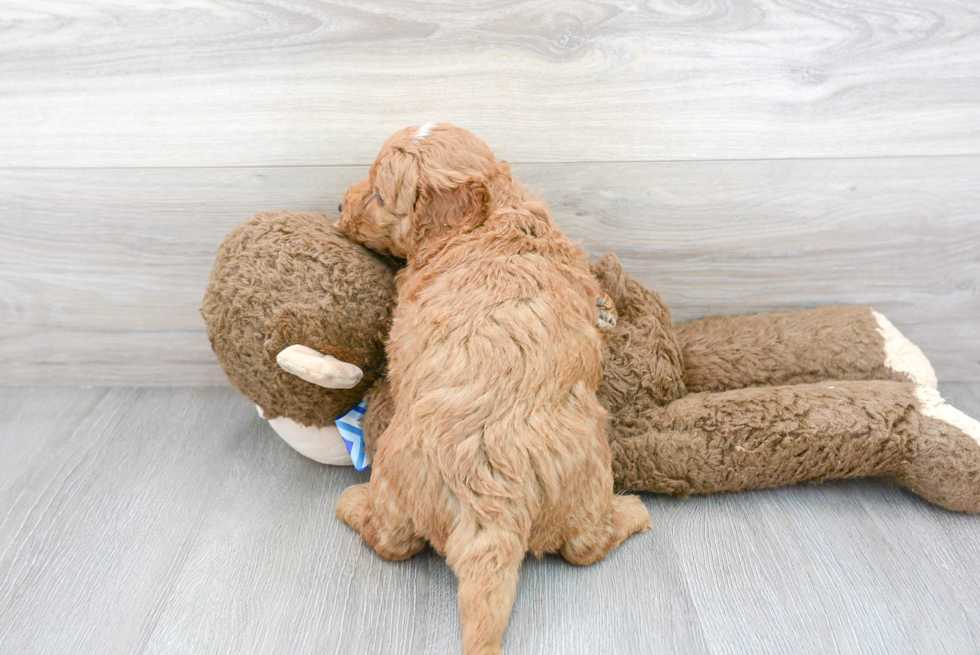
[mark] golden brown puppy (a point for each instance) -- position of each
(497, 445)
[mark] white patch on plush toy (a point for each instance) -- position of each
(903, 356)
(324, 445)
(423, 131)
(933, 406)
(320, 369)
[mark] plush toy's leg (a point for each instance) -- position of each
(324, 445)
(826, 343)
(769, 436)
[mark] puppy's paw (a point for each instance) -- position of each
(607, 311)
(354, 506)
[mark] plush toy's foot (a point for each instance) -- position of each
(944, 466)
(903, 356)
(324, 445)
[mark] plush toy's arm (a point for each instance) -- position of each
(761, 437)
(642, 359)
(826, 343)
(719, 353)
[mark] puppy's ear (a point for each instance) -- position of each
(451, 206)
(396, 176)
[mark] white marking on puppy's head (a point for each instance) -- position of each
(423, 131)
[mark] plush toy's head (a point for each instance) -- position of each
(426, 182)
(290, 278)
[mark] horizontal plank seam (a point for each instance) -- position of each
(516, 163)
(12, 384)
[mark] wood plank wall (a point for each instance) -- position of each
(740, 155)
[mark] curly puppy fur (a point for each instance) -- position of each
(496, 445)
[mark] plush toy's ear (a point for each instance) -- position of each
(320, 369)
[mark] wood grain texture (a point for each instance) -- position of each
(97, 523)
(174, 520)
(635, 601)
(835, 563)
(102, 271)
(287, 82)
(855, 566)
(274, 571)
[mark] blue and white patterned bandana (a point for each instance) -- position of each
(350, 429)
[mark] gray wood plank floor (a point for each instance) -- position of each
(174, 521)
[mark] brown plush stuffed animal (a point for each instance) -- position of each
(719, 404)
(290, 300)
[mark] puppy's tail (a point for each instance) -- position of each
(486, 559)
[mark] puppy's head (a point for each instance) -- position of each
(426, 182)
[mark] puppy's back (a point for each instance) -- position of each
(498, 362)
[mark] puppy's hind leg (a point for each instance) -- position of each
(626, 516)
(384, 525)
